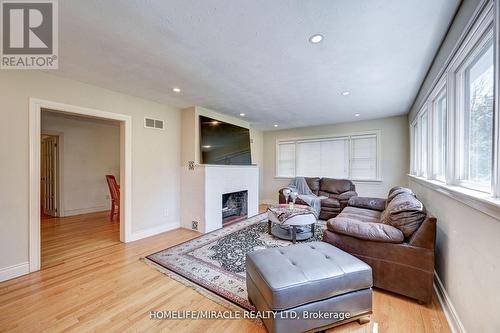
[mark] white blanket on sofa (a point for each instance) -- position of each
(299, 185)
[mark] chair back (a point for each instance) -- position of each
(114, 189)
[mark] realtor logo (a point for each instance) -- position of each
(29, 34)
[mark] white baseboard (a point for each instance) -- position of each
(14, 271)
(451, 314)
(140, 234)
(73, 212)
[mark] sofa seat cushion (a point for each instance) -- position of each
(377, 232)
(360, 214)
(299, 274)
(330, 202)
(404, 212)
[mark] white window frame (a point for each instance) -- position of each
(414, 149)
(349, 136)
(440, 91)
(424, 113)
(468, 53)
(483, 25)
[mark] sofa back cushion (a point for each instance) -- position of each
(335, 186)
(313, 183)
(404, 212)
(395, 191)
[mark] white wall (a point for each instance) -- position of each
(467, 240)
(155, 155)
(467, 256)
(90, 150)
(394, 151)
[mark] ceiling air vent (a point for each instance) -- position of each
(154, 123)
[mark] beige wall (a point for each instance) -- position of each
(90, 149)
(394, 151)
(467, 256)
(155, 154)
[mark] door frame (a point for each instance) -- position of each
(35, 110)
(60, 169)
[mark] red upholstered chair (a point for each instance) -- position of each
(114, 190)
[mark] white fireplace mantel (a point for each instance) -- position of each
(202, 188)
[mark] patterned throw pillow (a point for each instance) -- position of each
(404, 212)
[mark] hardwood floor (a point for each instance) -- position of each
(92, 282)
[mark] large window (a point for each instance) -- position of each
(414, 149)
(286, 159)
(476, 132)
(453, 134)
(352, 156)
(439, 136)
(364, 157)
(424, 134)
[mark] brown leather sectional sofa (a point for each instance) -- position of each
(395, 236)
(337, 191)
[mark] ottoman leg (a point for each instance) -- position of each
(364, 320)
(294, 234)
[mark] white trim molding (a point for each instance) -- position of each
(14, 271)
(79, 211)
(451, 314)
(35, 110)
(480, 201)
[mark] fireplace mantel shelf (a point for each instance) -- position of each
(224, 166)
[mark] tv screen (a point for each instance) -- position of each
(223, 143)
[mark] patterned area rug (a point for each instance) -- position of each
(216, 261)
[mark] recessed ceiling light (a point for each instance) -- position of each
(345, 93)
(357, 115)
(242, 114)
(176, 90)
(207, 146)
(315, 39)
(215, 122)
(275, 125)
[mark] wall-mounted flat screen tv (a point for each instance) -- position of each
(224, 143)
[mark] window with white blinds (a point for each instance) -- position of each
(323, 158)
(286, 159)
(354, 157)
(364, 157)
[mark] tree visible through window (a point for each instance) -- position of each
(478, 119)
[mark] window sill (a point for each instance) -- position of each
(480, 201)
(356, 181)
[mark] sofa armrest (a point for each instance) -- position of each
(425, 236)
(375, 232)
(368, 203)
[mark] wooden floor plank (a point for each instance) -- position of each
(91, 282)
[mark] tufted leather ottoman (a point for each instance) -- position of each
(309, 287)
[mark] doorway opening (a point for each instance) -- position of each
(52, 178)
(49, 172)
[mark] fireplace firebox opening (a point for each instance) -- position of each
(234, 207)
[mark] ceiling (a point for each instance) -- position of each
(253, 56)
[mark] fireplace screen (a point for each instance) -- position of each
(234, 207)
